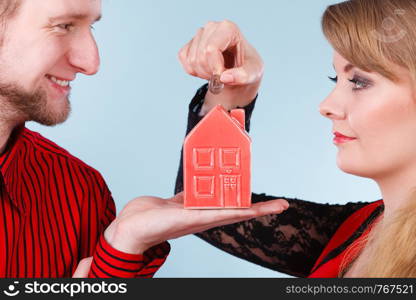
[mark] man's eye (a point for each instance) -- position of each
(66, 26)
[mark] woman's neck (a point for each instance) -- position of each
(396, 189)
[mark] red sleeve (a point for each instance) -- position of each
(110, 262)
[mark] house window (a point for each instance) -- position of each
(204, 186)
(203, 158)
(230, 158)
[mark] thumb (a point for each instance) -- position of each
(239, 76)
(178, 198)
(83, 268)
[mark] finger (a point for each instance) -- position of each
(227, 36)
(219, 217)
(193, 55)
(83, 268)
(183, 58)
(240, 55)
(205, 220)
(206, 51)
(259, 209)
(276, 206)
(178, 198)
(215, 60)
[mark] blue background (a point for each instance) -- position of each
(128, 121)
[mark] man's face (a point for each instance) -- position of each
(45, 45)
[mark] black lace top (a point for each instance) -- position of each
(290, 242)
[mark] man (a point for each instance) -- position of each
(57, 210)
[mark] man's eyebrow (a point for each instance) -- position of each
(347, 68)
(73, 16)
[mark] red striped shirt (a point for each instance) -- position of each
(54, 210)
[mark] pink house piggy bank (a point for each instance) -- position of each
(217, 162)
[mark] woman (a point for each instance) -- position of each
(373, 111)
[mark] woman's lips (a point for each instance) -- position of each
(340, 138)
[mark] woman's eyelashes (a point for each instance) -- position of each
(334, 79)
(359, 82)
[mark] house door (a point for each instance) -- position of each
(231, 190)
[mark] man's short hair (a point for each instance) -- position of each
(8, 9)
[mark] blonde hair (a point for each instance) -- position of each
(375, 35)
(389, 250)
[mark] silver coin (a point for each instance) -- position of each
(215, 85)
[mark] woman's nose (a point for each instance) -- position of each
(331, 109)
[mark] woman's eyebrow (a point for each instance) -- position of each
(348, 67)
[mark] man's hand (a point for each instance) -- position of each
(148, 221)
(83, 268)
(220, 48)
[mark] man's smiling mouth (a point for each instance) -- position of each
(60, 82)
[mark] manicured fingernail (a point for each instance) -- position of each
(227, 78)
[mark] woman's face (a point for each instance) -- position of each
(380, 114)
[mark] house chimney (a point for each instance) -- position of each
(240, 116)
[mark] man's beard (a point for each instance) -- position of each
(32, 106)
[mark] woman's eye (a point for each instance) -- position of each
(359, 83)
(334, 79)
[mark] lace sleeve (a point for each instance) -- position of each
(290, 242)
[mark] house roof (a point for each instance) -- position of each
(219, 111)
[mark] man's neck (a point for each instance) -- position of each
(9, 119)
(6, 129)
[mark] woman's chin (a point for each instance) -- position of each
(351, 167)
(356, 170)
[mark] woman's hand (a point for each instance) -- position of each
(148, 221)
(220, 48)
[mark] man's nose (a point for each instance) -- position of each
(84, 56)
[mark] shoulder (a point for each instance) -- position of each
(57, 157)
(368, 211)
(359, 220)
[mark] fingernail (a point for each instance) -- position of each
(227, 78)
(286, 205)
